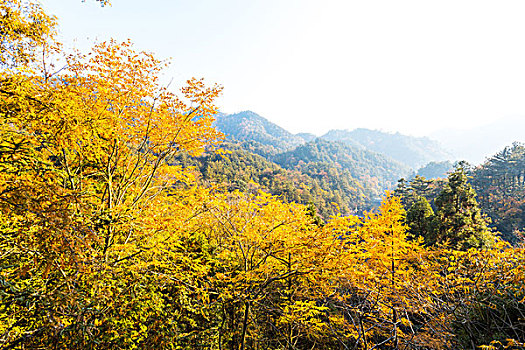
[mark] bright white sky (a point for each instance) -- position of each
(314, 65)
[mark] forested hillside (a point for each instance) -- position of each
(331, 176)
(371, 169)
(500, 184)
(328, 190)
(497, 185)
(249, 126)
(106, 242)
(335, 175)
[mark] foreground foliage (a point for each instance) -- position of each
(104, 245)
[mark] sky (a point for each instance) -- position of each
(311, 65)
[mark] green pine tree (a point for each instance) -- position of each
(422, 221)
(460, 219)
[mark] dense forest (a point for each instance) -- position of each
(122, 228)
(497, 185)
(500, 185)
(336, 176)
(327, 190)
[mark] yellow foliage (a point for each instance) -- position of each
(105, 244)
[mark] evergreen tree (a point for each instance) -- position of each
(460, 218)
(422, 221)
(402, 191)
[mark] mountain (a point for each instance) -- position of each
(263, 137)
(325, 188)
(372, 170)
(436, 170)
(333, 176)
(413, 151)
(476, 144)
(307, 137)
(343, 136)
(249, 126)
(500, 185)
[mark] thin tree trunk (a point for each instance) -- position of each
(245, 323)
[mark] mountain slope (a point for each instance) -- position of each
(413, 151)
(249, 126)
(500, 184)
(372, 170)
(314, 157)
(307, 137)
(329, 189)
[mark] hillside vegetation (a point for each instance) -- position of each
(371, 169)
(332, 176)
(248, 125)
(500, 184)
(497, 185)
(329, 191)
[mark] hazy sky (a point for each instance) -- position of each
(310, 66)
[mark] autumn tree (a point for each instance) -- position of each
(24, 29)
(86, 193)
(269, 254)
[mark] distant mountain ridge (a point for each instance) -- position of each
(413, 151)
(249, 126)
(360, 169)
(307, 137)
(370, 168)
(473, 145)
